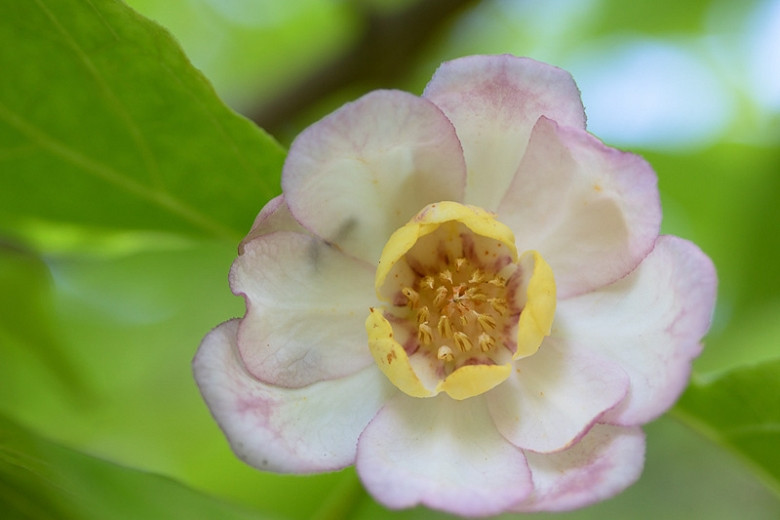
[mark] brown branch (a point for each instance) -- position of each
(380, 57)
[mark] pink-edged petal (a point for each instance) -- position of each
(650, 322)
(275, 429)
(362, 172)
(306, 306)
(494, 102)
(441, 453)
(275, 216)
(593, 212)
(554, 396)
(602, 464)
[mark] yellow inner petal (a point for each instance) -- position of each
(391, 358)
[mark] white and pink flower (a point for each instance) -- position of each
(465, 295)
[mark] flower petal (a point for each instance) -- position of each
(650, 322)
(536, 318)
(275, 216)
(605, 462)
(391, 358)
(275, 429)
(592, 211)
(306, 304)
(359, 174)
(554, 396)
(441, 453)
(470, 380)
(494, 101)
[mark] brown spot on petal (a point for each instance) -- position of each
(390, 357)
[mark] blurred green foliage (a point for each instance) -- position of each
(741, 410)
(40, 480)
(126, 183)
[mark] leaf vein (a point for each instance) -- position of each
(112, 176)
(137, 136)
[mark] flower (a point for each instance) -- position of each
(465, 295)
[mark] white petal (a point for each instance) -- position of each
(650, 322)
(362, 172)
(275, 429)
(494, 102)
(554, 396)
(593, 212)
(275, 216)
(306, 308)
(441, 453)
(605, 462)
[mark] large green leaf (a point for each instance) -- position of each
(104, 123)
(741, 411)
(42, 480)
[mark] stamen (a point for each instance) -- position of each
(427, 282)
(499, 305)
(473, 294)
(498, 281)
(423, 314)
(463, 341)
(446, 275)
(424, 333)
(459, 263)
(412, 296)
(486, 322)
(486, 342)
(477, 276)
(445, 353)
(441, 295)
(444, 326)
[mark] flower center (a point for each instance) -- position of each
(460, 309)
(456, 297)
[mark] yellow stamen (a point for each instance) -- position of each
(477, 276)
(444, 326)
(445, 353)
(473, 294)
(498, 281)
(486, 322)
(423, 314)
(498, 305)
(441, 295)
(412, 296)
(463, 341)
(424, 333)
(486, 342)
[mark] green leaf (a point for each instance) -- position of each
(105, 123)
(42, 480)
(741, 411)
(28, 330)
